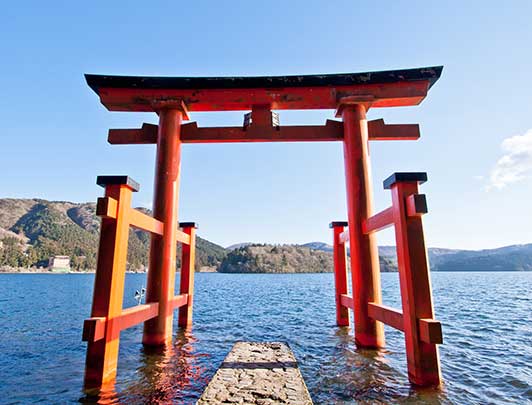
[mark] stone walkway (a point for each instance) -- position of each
(257, 373)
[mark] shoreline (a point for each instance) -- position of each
(217, 272)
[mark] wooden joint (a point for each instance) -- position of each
(261, 115)
(183, 237)
(131, 317)
(179, 301)
(170, 103)
(93, 329)
(107, 207)
(365, 100)
(416, 205)
(347, 301)
(430, 331)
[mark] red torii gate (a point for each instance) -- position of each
(351, 95)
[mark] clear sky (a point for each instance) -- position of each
(476, 123)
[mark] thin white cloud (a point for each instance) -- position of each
(516, 163)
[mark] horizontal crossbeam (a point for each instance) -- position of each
(94, 328)
(331, 131)
(380, 131)
(377, 222)
(387, 315)
(107, 207)
(385, 89)
(145, 135)
(429, 329)
(346, 301)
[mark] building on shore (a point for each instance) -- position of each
(59, 264)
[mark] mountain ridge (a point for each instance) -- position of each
(32, 230)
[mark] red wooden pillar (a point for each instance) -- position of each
(188, 259)
(416, 296)
(162, 264)
(340, 272)
(102, 355)
(363, 247)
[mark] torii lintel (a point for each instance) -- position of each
(391, 88)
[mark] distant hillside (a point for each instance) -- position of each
(325, 247)
(267, 258)
(239, 245)
(509, 258)
(32, 230)
(276, 259)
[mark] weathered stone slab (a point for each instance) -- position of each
(257, 373)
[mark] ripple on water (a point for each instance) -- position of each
(486, 356)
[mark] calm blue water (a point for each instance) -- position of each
(486, 356)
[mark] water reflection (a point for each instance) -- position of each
(106, 395)
(356, 376)
(166, 374)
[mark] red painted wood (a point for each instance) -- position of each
(340, 276)
(183, 237)
(331, 131)
(387, 315)
(102, 355)
(378, 222)
(347, 301)
(93, 329)
(187, 278)
(430, 331)
(133, 316)
(416, 205)
(107, 207)
(363, 247)
(422, 357)
(142, 221)
(180, 300)
(162, 264)
(146, 135)
(257, 132)
(290, 98)
(379, 131)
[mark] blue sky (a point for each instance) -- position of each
(476, 141)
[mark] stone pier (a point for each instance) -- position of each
(257, 373)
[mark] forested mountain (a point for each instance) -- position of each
(268, 258)
(32, 230)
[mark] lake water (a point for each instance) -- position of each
(486, 356)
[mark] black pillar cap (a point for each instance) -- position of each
(335, 224)
(420, 177)
(194, 225)
(117, 180)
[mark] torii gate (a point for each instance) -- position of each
(351, 95)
